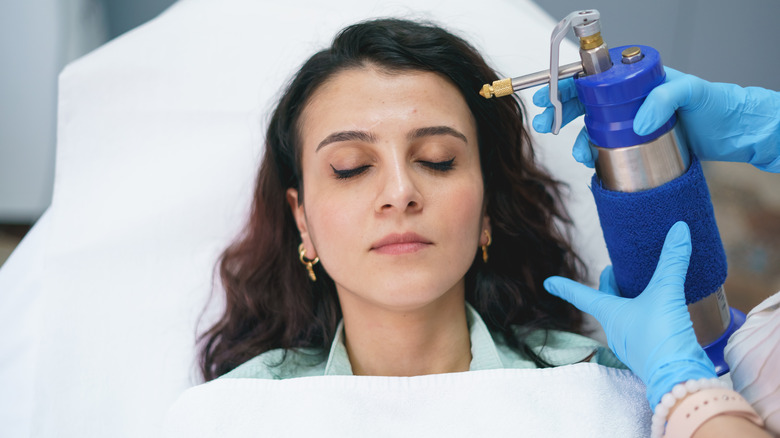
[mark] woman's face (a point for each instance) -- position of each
(393, 192)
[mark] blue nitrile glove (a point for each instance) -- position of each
(652, 334)
(572, 108)
(723, 122)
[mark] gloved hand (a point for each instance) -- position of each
(723, 122)
(572, 108)
(652, 334)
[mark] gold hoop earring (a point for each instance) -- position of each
(485, 246)
(308, 263)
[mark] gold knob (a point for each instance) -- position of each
(591, 41)
(631, 55)
(502, 87)
(631, 51)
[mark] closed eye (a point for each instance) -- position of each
(440, 166)
(349, 173)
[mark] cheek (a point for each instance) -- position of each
(335, 222)
(460, 209)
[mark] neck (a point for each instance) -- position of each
(429, 340)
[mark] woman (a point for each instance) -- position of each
(401, 227)
(416, 196)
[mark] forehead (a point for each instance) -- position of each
(364, 98)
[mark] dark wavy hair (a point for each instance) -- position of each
(271, 303)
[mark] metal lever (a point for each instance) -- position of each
(563, 27)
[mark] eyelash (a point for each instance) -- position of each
(438, 166)
(349, 173)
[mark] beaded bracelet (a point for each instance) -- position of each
(680, 390)
(711, 398)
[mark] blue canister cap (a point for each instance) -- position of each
(612, 98)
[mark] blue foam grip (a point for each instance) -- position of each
(635, 226)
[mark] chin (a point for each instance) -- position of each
(414, 295)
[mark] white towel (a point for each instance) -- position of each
(582, 400)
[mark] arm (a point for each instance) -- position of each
(728, 426)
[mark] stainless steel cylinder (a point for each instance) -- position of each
(649, 165)
(644, 166)
(710, 317)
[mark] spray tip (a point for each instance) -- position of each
(486, 91)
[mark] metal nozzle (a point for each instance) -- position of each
(593, 52)
(505, 87)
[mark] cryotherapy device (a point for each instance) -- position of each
(643, 184)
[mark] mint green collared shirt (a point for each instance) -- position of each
(559, 348)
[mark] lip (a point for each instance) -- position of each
(404, 243)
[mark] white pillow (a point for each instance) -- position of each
(159, 136)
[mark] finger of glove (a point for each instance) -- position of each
(608, 283)
(582, 151)
(599, 304)
(673, 262)
(664, 100)
(566, 89)
(571, 110)
(672, 74)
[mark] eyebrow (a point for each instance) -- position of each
(346, 136)
(436, 130)
(370, 138)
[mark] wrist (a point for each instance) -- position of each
(699, 408)
(670, 375)
(762, 126)
(672, 400)
(691, 404)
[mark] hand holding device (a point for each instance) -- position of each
(651, 333)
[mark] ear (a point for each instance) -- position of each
(483, 238)
(299, 213)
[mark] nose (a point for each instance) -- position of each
(399, 190)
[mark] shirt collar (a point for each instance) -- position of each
(484, 354)
(338, 359)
